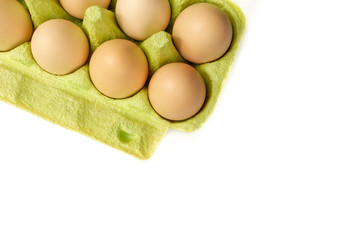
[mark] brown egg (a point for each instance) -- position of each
(77, 8)
(59, 46)
(118, 68)
(202, 33)
(140, 19)
(177, 91)
(15, 25)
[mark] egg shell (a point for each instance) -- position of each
(202, 33)
(16, 26)
(60, 46)
(77, 8)
(118, 68)
(140, 19)
(177, 91)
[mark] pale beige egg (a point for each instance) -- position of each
(59, 46)
(16, 26)
(177, 91)
(118, 68)
(77, 8)
(140, 19)
(202, 33)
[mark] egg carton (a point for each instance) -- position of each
(71, 101)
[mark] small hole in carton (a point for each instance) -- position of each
(125, 137)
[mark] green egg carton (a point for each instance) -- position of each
(71, 101)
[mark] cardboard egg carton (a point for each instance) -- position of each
(71, 101)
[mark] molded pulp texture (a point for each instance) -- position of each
(71, 101)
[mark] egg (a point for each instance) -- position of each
(77, 8)
(59, 46)
(118, 68)
(140, 19)
(177, 91)
(16, 26)
(202, 33)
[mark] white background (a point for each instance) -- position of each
(278, 159)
